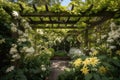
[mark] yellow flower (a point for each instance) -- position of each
(118, 52)
(94, 61)
(85, 70)
(77, 62)
(91, 61)
(86, 62)
(102, 69)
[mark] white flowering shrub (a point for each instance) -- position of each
(114, 37)
(25, 60)
(75, 52)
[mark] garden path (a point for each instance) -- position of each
(57, 67)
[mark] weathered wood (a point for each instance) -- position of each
(22, 8)
(60, 27)
(52, 22)
(72, 7)
(66, 14)
(46, 6)
(35, 8)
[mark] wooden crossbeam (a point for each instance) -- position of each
(60, 27)
(65, 14)
(52, 22)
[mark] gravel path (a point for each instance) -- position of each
(57, 67)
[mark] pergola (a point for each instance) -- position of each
(62, 20)
(94, 18)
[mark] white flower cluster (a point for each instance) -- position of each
(20, 32)
(13, 49)
(113, 26)
(14, 52)
(114, 35)
(13, 27)
(29, 50)
(75, 51)
(21, 39)
(103, 36)
(2, 41)
(9, 69)
(18, 49)
(43, 68)
(40, 31)
(27, 26)
(15, 14)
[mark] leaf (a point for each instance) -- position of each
(116, 63)
(104, 78)
(96, 77)
(107, 64)
(102, 57)
(88, 76)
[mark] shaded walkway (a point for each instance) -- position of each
(57, 67)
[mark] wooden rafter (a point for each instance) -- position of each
(103, 14)
(35, 8)
(52, 22)
(46, 6)
(60, 27)
(22, 8)
(67, 15)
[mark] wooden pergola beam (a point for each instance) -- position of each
(46, 6)
(72, 7)
(65, 14)
(21, 7)
(52, 22)
(47, 9)
(60, 27)
(35, 8)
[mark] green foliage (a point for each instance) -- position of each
(60, 53)
(33, 63)
(17, 74)
(36, 66)
(58, 8)
(88, 76)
